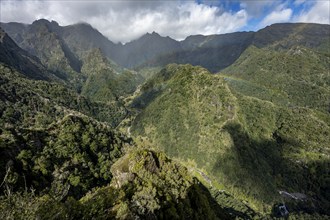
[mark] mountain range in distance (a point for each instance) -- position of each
(214, 52)
(231, 126)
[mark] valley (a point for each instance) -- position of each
(229, 126)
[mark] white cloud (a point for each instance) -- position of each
(278, 16)
(127, 20)
(318, 13)
(256, 8)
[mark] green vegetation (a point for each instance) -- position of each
(146, 184)
(295, 77)
(68, 158)
(38, 103)
(58, 162)
(106, 81)
(41, 41)
(83, 138)
(253, 147)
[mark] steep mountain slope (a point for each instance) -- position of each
(47, 141)
(62, 154)
(82, 38)
(12, 55)
(146, 48)
(106, 81)
(258, 132)
(287, 35)
(74, 55)
(28, 99)
(145, 185)
(298, 76)
(39, 39)
(51, 143)
(78, 38)
(216, 52)
(25, 102)
(250, 147)
(213, 52)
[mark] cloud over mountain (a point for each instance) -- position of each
(127, 20)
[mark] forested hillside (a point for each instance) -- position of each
(244, 135)
(254, 148)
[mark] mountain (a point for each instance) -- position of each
(69, 52)
(288, 64)
(78, 38)
(105, 80)
(145, 185)
(51, 143)
(40, 40)
(26, 102)
(63, 147)
(214, 52)
(12, 55)
(293, 34)
(254, 148)
(82, 38)
(83, 137)
(294, 77)
(146, 48)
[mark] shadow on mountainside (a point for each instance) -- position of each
(198, 204)
(261, 168)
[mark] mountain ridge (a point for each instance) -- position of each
(12, 55)
(103, 141)
(248, 142)
(207, 51)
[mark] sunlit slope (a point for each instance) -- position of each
(251, 147)
(298, 77)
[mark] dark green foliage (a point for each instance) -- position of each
(155, 187)
(260, 130)
(38, 103)
(146, 185)
(47, 144)
(253, 148)
(185, 95)
(68, 158)
(232, 205)
(19, 206)
(70, 154)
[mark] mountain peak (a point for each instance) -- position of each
(51, 25)
(54, 23)
(41, 21)
(152, 34)
(83, 24)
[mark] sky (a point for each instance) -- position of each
(126, 20)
